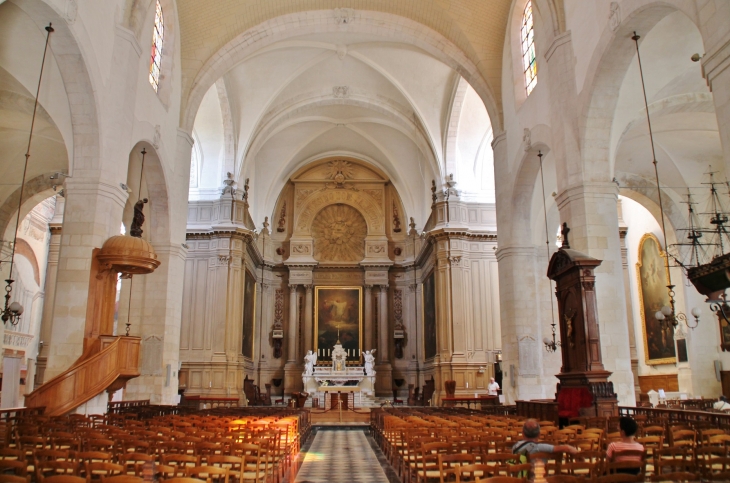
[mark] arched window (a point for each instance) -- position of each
(156, 56)
(527, 37)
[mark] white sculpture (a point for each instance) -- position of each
(369, 362)
(339, 357)
(309, 361)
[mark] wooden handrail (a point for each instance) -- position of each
(106, 360)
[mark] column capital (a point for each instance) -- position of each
(384, 288)
(293, 287)
(309, 288)
(368, 287)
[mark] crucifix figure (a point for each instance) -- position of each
(564, 232)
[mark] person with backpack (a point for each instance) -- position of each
(531, 443)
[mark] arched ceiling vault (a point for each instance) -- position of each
(332, 93)
(475, 27)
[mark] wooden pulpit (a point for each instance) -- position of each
(584, 388)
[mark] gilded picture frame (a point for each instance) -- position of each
(249, 315)
(338, 308)
(652, 277)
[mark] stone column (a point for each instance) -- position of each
(368, 325)
(383, 329)
(383, 369)
(49, 288)
(623, 230)
(591, 208)
(308, 328)
(11, 381)
(713, 15)
(291, 338)
(93, 213)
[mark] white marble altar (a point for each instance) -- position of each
(327, 378)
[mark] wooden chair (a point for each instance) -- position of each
(470, 473)
(501, 479)
(684, 437)
(62, 479)
(209, 473)
(179, 479)
(619, 478)
(715, 468)
(56, 468)
(14, 479)
(16, 467)
(231, 463)
(565, 479)
(616, 466)
(133, 462)
(449, 462)
(676, 463)
(95, 470)
(121, 479)
(180, 462)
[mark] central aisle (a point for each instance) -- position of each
(341, 456)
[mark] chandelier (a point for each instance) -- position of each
(668, 315)
(12, 311)
(551, 345)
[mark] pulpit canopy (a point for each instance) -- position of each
(567, 258)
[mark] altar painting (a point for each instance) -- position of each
(249, 311)
(652, 275)
(338, 309)
(429, 315)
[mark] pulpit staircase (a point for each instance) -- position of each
(106, 365)
(107, 361)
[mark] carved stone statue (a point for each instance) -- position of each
(309, 361)
(138, 220)
(339, 357)
(369, 362)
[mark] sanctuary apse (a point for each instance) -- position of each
(339, 228)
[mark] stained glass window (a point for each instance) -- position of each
(156, 56)
(527, 37)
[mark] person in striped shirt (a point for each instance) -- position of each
(628, 429)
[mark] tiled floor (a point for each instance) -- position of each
(342, 456)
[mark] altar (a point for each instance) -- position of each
(332, 380)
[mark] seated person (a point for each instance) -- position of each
(721, 404)
(628, 429)
(531, 445)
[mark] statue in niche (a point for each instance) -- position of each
(138, 220)
(310, 360)
(369, 362)
(396, 219)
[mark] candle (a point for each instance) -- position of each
(467, 385)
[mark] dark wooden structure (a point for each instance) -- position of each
(584, 388)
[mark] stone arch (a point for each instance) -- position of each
(310, 206)
(644, 192)
(36, 190)
(606, 73)
(157, 224)
(23, 249)
(520, 227)
(288, 26)
(77, 82)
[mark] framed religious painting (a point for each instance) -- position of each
(652, 280)
(249, 314)
(338, 317)
(429, 315)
